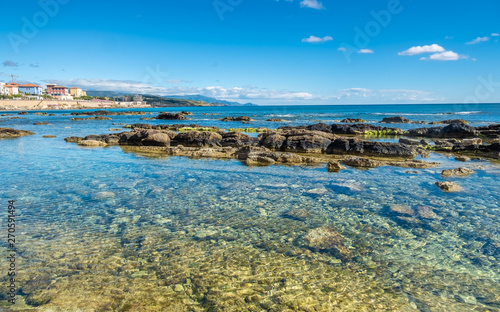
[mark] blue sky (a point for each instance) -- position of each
(261, 51)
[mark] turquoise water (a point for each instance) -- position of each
(110, 229)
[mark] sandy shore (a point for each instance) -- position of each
(10, 105)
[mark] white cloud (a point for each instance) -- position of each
(433, 48)
(342, 49)
(495, 34)
(365, 51)
(314, 39)
(313, 4)
(363, 95)
(258, 95)
(478, 39)
(444, 56)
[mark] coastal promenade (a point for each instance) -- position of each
(7, 105)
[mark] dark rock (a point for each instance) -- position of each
(241, 118)
(409, 141)
(462, 158)
(198, 139)
(451, 121)
(397, 119)
(352, 120)
(334, 166)
(73, 139)
(448, 186)
(9, 133)
(370, 148)
(304, 141)
(41, 114)
(237, 139)
(272, 140)
(459, 172)
(361, 162)
(320, 127)
(22, 113)
(458, 130)
(49, 136)
(43, 123)
(171, 116)
(275, 120)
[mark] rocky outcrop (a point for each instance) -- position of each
(275, 120)
(9, 133)
(355, 146)
(448, 186)
(143, 138)
(450, 121)
(262, 156)
(22, 113)
(397, 119)
(171, 116)
(491, 131)
(92, 143)
(237, 139)
(241, 118)
(458, 130)
(413, 142)
(198, 139)
(459, 172)
(352, 120)
(43, 123)
(334, 166)
(305, 141)
(297, 140)
(73, 139)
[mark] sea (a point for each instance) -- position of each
(113, 229)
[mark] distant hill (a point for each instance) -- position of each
(155, 98)
(207, 99)
(158, 101)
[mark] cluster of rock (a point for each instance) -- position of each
(9, 133)
(173, 116)
(90, 118)
(241, 118)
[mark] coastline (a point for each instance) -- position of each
(15, 105)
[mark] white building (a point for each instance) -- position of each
(3, 91)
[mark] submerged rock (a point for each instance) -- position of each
(402, 209)
(9, 133)
(299, 214)
(275, 120)
(325, 238)
(334, 166)
(449, 186)
(459, 172)
(427, 212)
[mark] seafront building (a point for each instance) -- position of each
(12, 88)
(3, 91)
(77, 92)
(30, 88)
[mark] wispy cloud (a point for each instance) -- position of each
(433, 48)
(365, 51)
(9, 64)
(314, 39)
(495, 34)
(258, 95)
(478, 40)
(342, 49)
(313, 4)
(444, 56)
(34, 65)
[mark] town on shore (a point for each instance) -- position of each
(29, 96)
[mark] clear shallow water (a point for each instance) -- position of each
(103, 229)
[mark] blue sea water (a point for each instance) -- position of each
(111, 229)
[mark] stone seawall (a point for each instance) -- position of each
(55, 104)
